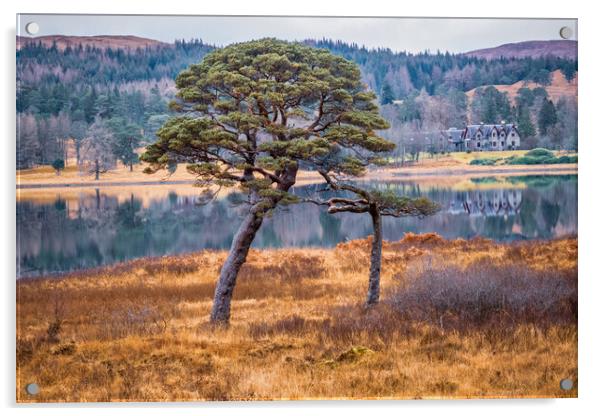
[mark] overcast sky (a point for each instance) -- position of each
(399, 34)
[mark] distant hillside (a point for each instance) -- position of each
(531, 49)
(558, 87)
(129, 80)
(101, 42)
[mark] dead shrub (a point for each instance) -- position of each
(355, 324)
(52, 333)
(483, 293)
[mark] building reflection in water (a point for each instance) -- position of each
(487, 203)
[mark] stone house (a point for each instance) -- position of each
(483, 137)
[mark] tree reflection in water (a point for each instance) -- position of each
(96, 229)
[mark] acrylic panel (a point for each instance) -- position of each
(216, 208)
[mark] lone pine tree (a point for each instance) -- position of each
(253, 114)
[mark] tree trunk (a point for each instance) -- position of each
(77, 157)
(375, 257)
(403, 156)
(220, 313)
(96, 170)
(131, 166)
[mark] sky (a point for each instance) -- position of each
(399, 34)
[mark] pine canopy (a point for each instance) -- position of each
(254, 112)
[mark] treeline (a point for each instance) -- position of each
(402, 74)
(130, 118)
(62, 93)
(42, 65)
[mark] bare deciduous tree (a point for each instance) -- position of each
(96, 150)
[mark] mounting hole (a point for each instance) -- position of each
(566, 384)
(32, 388)
(32, 28)
(566, 32)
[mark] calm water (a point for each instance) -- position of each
(95, 228)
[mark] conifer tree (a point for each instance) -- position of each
(126, 139)
(525, 125)
(359, 200)
(547, 116)
(386, 95)
(254, 113)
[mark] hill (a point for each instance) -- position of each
(558, 87)
(100, 42)
(65, 82)
(566, 49)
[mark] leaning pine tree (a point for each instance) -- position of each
(374, 202)
(254, 113)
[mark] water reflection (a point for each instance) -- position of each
(99, 228)
(496, 203)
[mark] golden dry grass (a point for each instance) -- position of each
(139, 331)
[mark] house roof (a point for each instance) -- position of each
(453, 134)
(486, 129)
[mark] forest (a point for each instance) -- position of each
(106, 103)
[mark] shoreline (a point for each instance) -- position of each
(307, 178)
(421, 239)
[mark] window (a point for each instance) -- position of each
(502, 144)
(512, 134)
(494, 144)
(478, 144)
(512, 142)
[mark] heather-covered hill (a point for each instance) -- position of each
(566, 49)
(101, 42)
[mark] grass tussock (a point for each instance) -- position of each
(461, 318)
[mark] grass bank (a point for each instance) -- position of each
(457, 319)
(457, 164)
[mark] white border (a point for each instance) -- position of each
(590, 162)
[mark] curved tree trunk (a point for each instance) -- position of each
(220, 313)
(375, 257)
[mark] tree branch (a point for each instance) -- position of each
(267, 174)
(347, 208)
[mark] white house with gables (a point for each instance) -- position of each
(481, 137)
